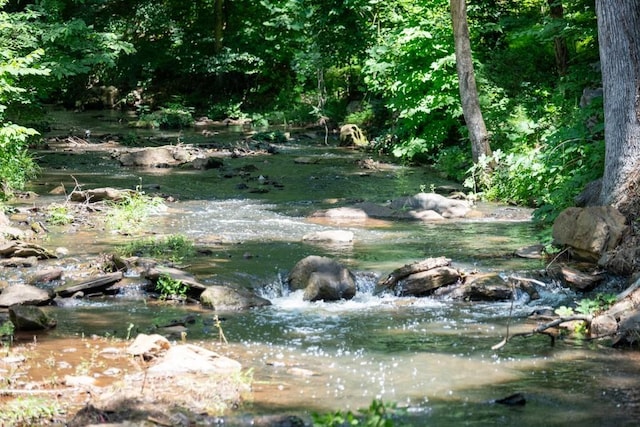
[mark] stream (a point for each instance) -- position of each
(431, 357)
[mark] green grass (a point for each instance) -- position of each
(131, 212)
(173, 248)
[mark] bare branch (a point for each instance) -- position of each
(542, 329)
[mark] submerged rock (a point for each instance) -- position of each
(329, 236)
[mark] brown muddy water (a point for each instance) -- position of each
(431, 357)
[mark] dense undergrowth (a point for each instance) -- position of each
(388, 67)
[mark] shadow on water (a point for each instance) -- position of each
(432, 357)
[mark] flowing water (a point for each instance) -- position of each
(432, 357)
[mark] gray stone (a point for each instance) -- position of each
(225, 298)
(446, 207)
(100, 194)
(93, 285)
(187, 358)
(148, 346)
(24, 294)
(589, 232)
(425, 282)
(30, 318)
(322, 279)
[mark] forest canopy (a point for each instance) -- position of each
(386, 65)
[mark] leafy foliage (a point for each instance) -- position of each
(289, 62)
(378, 414)
(7, 329)
(173, 116)
(413, 67)
(171, 288)
(589, 306)
(16, 165)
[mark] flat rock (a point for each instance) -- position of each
(188, 358)
(93, 285)
(24, 294)
(225, 298)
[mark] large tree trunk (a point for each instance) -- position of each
(468, 90)
(619, 38)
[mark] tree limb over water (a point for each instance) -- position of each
(542, 329)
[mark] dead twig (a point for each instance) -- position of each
(562, 252)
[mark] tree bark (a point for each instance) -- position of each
(468, 90)
(619, 41)
(559, 42)
(218, 25)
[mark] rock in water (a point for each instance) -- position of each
(30, 318)
(322, 279)
(516, 399)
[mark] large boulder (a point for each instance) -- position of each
(589, 232)
(225, 298)
(392, 280)
(24, 295)
(322, 278)
(444, 206)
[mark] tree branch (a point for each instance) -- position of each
(541, 329)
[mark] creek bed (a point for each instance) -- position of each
(432, 357)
